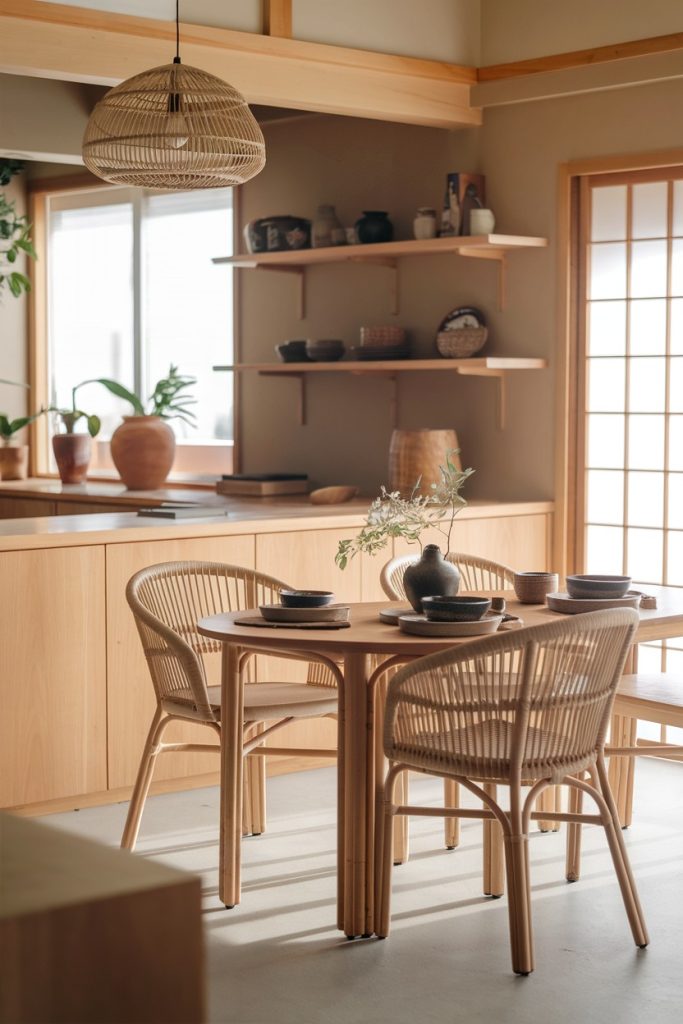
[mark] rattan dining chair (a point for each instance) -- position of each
(526, 708)
(475, 574)
(167, 601)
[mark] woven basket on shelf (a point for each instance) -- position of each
(460, 344)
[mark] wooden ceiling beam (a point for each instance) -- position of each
(79, 44)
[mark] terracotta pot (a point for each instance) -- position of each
(72, 454)
(13, 462)
(142, 449)
(416, 455)
(430, 576)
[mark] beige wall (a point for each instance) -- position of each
(13, 313)
(360, 165)
(435, 29)
(520, 29)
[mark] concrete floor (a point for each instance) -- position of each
(277, 958)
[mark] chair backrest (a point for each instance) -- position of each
(528, 703)
(167, 600)
(476, 574)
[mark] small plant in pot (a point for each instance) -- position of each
(72, 450)
(13, 457)
(392, 515)
(143, 446)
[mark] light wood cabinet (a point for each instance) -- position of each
(522, 541)
(130, 697)
(53, 725)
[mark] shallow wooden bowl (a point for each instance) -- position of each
(333, 495)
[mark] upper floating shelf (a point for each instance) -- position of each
(493, 247)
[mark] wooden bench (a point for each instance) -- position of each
(646, 698)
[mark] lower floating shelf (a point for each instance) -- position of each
(486, 366)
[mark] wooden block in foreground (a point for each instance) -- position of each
(92, 935)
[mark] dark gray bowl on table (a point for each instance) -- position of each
(593, 588)
(455, 609)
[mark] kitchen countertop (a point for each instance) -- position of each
(246, 515)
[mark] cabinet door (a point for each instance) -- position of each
(130, 695)
(52, 684)
(522, 541)
(306, 559)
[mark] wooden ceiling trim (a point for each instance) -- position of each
(582, 58)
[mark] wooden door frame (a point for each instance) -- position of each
(569, 426)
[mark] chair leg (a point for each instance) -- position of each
(622, 865)
(519, 902)
(254, 786)
(573, 861)
(401, 822)
(143, 780)
(451, 798)
(494, 882)
(549, 800)
(383, 921)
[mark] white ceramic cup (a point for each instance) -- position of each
(482, 222)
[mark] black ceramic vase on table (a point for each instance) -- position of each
(430, 576)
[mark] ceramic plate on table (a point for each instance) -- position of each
(392, 615)
(329, 613)
(258, 620)
(575, 605)
(421, 626)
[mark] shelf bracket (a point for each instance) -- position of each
(500, 257)
(301, 377)
(501, 396)
(392, 265)
(298, 271)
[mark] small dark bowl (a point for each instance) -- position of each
(325, 350)
(306, 598)
(455, 609)
(593, 588)
(292, 352)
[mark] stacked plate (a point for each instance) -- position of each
(588, 593)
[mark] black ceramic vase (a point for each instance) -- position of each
(430, 576)
(374, 226)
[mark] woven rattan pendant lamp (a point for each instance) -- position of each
(174, 127)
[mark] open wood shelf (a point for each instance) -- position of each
(387, 254)
(485, 366)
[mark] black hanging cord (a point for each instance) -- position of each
(176, 59)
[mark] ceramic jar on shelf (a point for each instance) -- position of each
(327, 228)
(374, 226)
(424, 224)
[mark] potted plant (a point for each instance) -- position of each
(73, 450)
(13, 457)
(143, 446)
(392, 515)
(14, 239)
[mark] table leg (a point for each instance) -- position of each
(494, 853)
(549, 800)
(232, 719)
(358, 799)
(623, 732)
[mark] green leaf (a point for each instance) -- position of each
(120, 392)
(94, 425)
(11, 255)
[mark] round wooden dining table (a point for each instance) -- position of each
(364, 651)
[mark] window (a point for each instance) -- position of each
(132, 290)
(630, 457)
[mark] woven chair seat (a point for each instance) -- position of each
(265, 701)
(483, 751)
